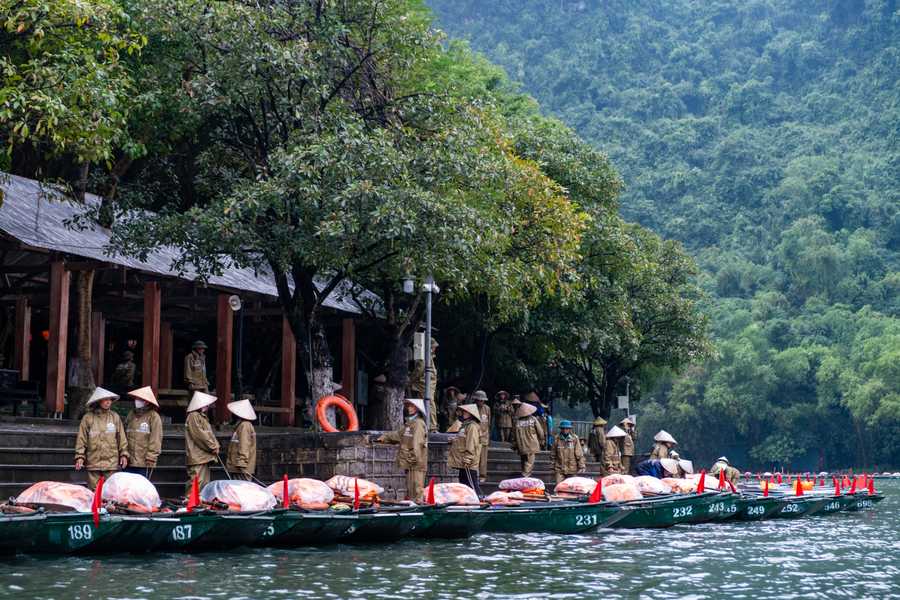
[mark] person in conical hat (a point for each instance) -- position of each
(684, 467)
(101, 446)
(144, 429)
(612, 451)
(465, 448)
(484, 426)
(504, 415)
(528, 437)
(664, 443)
(659, 468)
(241, 458)
(195, 368)
(597, 438)
(412, 456)
(731, 474)
(200, 444)
(628, 441)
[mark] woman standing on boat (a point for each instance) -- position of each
(200, 444)
(145, 432)
(528, 436)
(101, 446)
(412, 456)
(612, 454)
(241, 461)
(465, 449)
(664, 444)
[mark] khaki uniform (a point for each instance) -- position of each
(568, 457)
(195, 372)
(485, 428)
(660, 450)
(612, 457)
(504, 420)
(596, 441)
(241, 459)
(417, 388)
(528, 437)
(412, 456)
(145, 432)
(200, 446)
(101, 442)
(450, 405)
(627, 452)
(731, 474)
(465, 449)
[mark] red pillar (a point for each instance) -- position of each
(224, 352)
(59, 337)
(152, 312)
(166, 347)
(288, 373)
(23, 338)
(348, 360)
(98, 345)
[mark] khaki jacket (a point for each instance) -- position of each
(612, 458)
(597, 440)
(731, 474)
(660, 450)
(200, 443)
(145, 432)
(504, 415)
(101, 440)
(627, 445)
(242, 449)
(528, 436)
(485, 425)
(568, 456)
(413, 440)
(417, 379)
(195, 371)
(465, 449)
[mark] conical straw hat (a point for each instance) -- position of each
(663, 436)
(101, 394)
(199, 400)
(472, 409)
(615, 432)
(671, 466)
(242, 409)
(686, 465)
(526, 409)
(418, 403)
(146, 394)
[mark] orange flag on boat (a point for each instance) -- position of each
(871, 486)
(766, 489)
(722, 479)
(97, 501)
(285, 499)
(853, 487)
(798, 487)
(194, 497)
(429, 498)
(355, 494)
(597, 494)
(702, 485)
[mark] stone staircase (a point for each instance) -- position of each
(503, 463)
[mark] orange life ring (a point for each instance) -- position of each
(341, 404)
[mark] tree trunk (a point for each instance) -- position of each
(318, 362)
(81, 374)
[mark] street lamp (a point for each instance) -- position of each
(234, 302)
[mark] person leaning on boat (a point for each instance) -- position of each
(101, 446)
(722, 464)
(597, 439)
(412, 456)
(144, 430)
(465, 448)
(241, 460)
(200, 444)
(657, 467)
(612, 455)
(627, 425)
(484, 425)
(568, 456)
(528, 437)
(663, 444)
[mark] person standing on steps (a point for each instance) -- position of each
(465, 448)
(101, 446)
(412, 456)
(597, 439)
(144, 430)
(503, 415)
(484, 427)
(417, 384)
(241, 460)
(627, 425)
(612, 453)
(568, 456)
(527, 437)
(200, 444)
(195, 368)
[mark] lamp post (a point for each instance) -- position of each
(234, 302)
(429, 288)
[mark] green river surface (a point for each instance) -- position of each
(845, 555)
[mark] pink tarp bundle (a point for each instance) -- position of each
(456, 493)
(621, 492)
(132, 490)
(238, 495)
(76, 497)
(341, 484)
(647, 484)
(576, 486)
(615, 478)
(304, 492)
(520, 484)
(501, 498)
(681, 486)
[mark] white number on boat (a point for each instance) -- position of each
(585, 520)
(865, 504)
(682, 511)
(80, 532)
(791, 508)
(270, 531)
(182, 533)
(756, 511)
(832, 506)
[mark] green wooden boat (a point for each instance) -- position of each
(793, 507)
(382, 526)
(293, 528)
(552, 517)
(75, 533)
(836, 504)
(213, 530)
(453, 522)
(666, 511)
(17, 531)
(757, 508)
(863, 501)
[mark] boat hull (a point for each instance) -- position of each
(796, 507)
(859, 503)
(757, 508)
(208, 530)
(17, 531)
(75, 533)
(453, 523)
(382, 526)
(293, 529)
(687, 508)
(564, 519)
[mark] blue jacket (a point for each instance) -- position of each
(651, 467)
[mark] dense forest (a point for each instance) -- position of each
(765, 136)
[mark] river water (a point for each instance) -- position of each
(846, 555)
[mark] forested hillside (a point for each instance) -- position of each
(765, 136)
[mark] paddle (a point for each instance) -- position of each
(224, 467)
